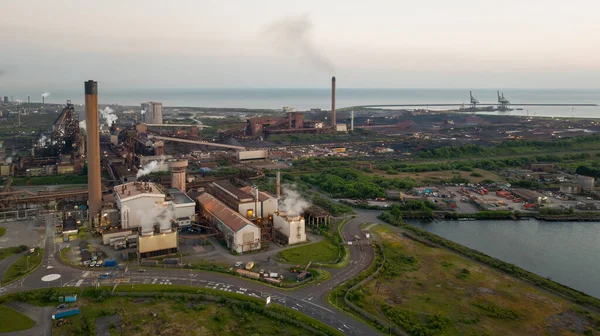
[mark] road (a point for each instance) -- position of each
(311, 301)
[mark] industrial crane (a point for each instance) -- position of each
(502, 102)
(474, 101)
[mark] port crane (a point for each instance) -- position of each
(502, 102)
(474, 101)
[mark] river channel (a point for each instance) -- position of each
(567, 252)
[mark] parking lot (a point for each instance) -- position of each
(25, 232)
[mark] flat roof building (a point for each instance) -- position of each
(134, 199)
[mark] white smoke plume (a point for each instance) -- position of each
(43, 140)
(292, 202)
(143, 111)
(46, 94)
(83, 125)
(294, 35)
(10, 159)
(158, 214)
(109, 116)
(150, 167)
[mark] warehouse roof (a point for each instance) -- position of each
(262, 196)
(226, 186)
(232, 219)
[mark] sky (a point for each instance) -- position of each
(58, 44)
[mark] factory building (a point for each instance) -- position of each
(134, 199)
(244, 200)
(153, 113)
(185, 207)
(157, 244)
(240, 234)
(292, 226)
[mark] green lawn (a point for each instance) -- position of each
(7, 252)
(324, 251)
(19, 268)
(12, 320)
(2, 231)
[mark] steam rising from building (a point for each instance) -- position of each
(46, 94)
(149, 168)
(109, 116)
(158, 215)
(294, 35)
(292, 203)
(43, 141)
(83, 125)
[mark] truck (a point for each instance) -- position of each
(65, 313)
(110, 263)
(249, 265)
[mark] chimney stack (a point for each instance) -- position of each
(278, 184)
(93, 152)
(333, 116)
(352, 120)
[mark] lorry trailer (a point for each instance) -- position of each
(65, 313)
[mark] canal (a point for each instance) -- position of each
(567, 252)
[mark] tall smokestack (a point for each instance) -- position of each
(93, 152)
(352, 120)
(333, 102)
(278, 184)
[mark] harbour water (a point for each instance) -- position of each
(567, 252)
(305, 99)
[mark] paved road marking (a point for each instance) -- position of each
(79, 283)
(85, 274)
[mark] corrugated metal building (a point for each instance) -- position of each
(240, 233)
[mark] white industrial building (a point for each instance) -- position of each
(157, 244)
(292, 227)
(266, 205)
(185, 207)
(136, 198)
(240, 234)
(253, 155)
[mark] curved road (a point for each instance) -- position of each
(309, 300)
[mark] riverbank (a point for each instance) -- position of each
(509, 268)
(426, 289)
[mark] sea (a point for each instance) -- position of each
(306, 99)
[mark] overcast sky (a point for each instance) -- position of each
(59, 44)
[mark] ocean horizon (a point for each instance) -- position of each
(308, 98)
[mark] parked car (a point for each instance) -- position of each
(141, 270)
(61, 306)
(99, 263)
(238, 264)
(93, 263)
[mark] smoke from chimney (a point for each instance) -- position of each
(109, 116)
(150, 167)
(294, 35)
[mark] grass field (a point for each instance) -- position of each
(19, 268)
(325, 251)
(446, 175)
(2, 231)
(12, 320)
(173, 316)
(8, 251)
(431, 291)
